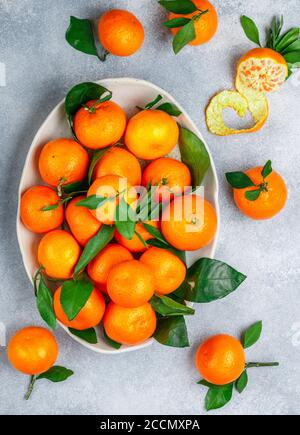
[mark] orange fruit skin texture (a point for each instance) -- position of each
(205, 27)
(32, 350)
(220, 359)
(58, 253)
(151, 134)
(135, 245)
(82, 224)
(120, 32)
(168, 270)
(118, 161)
(260, 80)
(32, 216)
(102, 128)
(168, 175)
(129, 325)
(269, 203)
(109, 186)
(88, 317)
(100, 266)
(63, 159)
(130, 283)
(191, 230)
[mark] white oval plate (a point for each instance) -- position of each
(129, 93)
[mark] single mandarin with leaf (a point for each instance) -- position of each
(129, 325)
(189, 223)
(130, 283)
(205, 24)
(168, 270)
(220, 359)
(138, 241)
(151, 134)
(100, 266)
(99, 124)
(261, 70)
(63, 161)
(168, 176)
(82, 224)
(120, 32)
(113, 189)
(58, 253)
(89, 316)
(270, 200)
(119, 161)
(32, 203)
(32, 350)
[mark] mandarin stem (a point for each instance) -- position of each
(258, 364)
(30, 387)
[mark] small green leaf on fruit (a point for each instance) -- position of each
(252, 335)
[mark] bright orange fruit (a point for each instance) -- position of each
(135, 244)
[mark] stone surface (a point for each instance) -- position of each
(40, 67)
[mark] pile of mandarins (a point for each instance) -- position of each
(126, 273)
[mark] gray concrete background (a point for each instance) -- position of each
(40, 68)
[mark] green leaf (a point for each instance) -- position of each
(209, 280)
(44, 301)
(238, 180)
(293, 57)
(250, 29)
(178, 6)
(194, 154)
(252, 335)
(267, 169)
(88, 335)
(152, 103)
(218, 397)
(96, 157)
(94, 245)
(167, 307)
(293, 47)
(56, 374)
(162, 245)
(242, 382)
(176, 22)
(81, 94)
(185, 35)
(287, 39)
(92, 202)
(51, 207)
(125, 225)
(75, 294)
(252, 195)
(75, 187)
(172, 331)
(80, 36)
(111, 342)
(169, 108)
(155, 233)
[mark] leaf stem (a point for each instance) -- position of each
(258, 364)
(33, 378)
